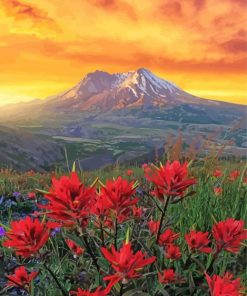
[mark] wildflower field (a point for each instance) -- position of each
(171, 228)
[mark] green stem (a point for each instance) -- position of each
(116, 233)
(215, 256)
(95, 262)
(102, 234)
(162, 218)
(199, 264)
(121, 290)
(64, 292)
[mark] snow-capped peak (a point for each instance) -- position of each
(102, 90)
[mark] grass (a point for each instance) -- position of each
(198, 211)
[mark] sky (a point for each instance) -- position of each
(47, 46)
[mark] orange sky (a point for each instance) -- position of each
(46, 46)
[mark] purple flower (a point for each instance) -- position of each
(198, 145)
(16, 194)
(140, 191)
(55, 231)
(2, 231)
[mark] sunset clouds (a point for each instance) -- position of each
(47, 46)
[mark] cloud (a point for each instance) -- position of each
(119, 6)
(235, 46)
(22, 11)
(193, 41)
(199, 4)
(170, 9)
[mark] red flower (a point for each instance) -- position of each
(171, 179)
(217, 173)
(198, 241)
(80, 292)
(168, 237)
(224, 286)
(117, 196)
(217, 191)
(100, 210)
(137, 212)
(153, 226)
(30, 173)
(21, 278)
(69, 200)
(229, 234)
(31, 195)
(172, 252)
(167, 276)
(28, 236)
(234, 175)
(76, 250)
(129, 173)
(144, 166)
(126, 264)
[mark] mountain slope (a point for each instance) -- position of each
(101, 91)
(25, 151)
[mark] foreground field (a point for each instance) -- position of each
(171, 229)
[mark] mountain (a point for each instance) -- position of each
(108, 118)
(101, 91)
(25, 151)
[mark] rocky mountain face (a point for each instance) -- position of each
(101, 91)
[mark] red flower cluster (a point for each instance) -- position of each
(169, 180)
(80, 292)
(229, 234)
(198, 241)
(117, 196)
(69, 200)
(28, 236)
(224, 286)
(31, 195)
(167, 276)
(129, 173)
(153, 226)
(168, 237)
(218, 191)
(217, 173)
(21, 278)
(76, 250)
(137, 212)
(126, 264)
(166, 240)
(172, 252)
(234, 175)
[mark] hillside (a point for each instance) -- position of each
(25, 151)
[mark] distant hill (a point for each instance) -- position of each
(24, 151)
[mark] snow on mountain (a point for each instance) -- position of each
(141, 88)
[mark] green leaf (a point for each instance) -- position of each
(75, 239)
(135, 292)
(127, 239)
(73, 167)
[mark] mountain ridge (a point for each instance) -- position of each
(101, 85)
(104, 91)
